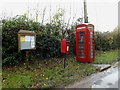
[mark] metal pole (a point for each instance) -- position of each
(64, 60)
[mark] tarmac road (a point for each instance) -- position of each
(108, 79)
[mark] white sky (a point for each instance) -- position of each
(103, 14)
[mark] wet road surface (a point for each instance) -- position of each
(106, 79)
(109, 81)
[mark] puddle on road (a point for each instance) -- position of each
(110, 79)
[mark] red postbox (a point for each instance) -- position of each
(65, 46)
(85, 43)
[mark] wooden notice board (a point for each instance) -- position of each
(26, 40)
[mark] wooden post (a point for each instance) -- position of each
(27, 58)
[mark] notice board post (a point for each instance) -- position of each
(26, 42)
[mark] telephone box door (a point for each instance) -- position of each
(81, 43)
(92, 42)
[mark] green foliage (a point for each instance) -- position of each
(10, 52)
(51, 75)
(48, 38)
(105, 41)
(72, 39)
(107, 57)
(48, 44)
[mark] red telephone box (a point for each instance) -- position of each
(65, 46)
(85, 43)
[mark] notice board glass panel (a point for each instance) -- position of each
(27, 42)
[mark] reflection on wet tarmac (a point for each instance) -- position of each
(109, 80)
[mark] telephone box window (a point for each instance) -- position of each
(91, 49)
(81, 32)
(91, 46)
(91, 57)
(91, 36)
(81, 49)
(81, 46)
(81, 36)
(81, 42)
(91, 40)
(82, 57)
(91, 32)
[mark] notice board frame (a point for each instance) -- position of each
(26, 32)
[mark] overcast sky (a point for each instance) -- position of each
(103, 14)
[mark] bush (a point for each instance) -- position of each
(10, 53)
(46, 46)
(48, 41)
(72, 39)
(105, 41)
(10, 28)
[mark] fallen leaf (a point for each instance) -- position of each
(20, 68)
(3, 84)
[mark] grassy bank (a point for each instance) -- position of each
(106, 57)
(51, 73)
(46, 74)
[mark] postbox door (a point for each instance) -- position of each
(63, 46)
(67, 46)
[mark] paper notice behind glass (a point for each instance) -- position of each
(22, 38)
(33, 38)
(27, 38)
(32, 44)
(32, 41)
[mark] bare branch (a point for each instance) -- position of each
(43, 15)
(73, 19)
(50, 12)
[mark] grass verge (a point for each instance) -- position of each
(46, 74)
(51, 73)
(106, 57)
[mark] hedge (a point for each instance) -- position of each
(47, 42)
